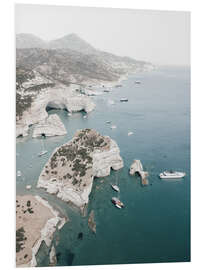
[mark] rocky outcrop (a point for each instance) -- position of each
(58, 98)
(91, 221)
(137, 167)
(21, 130)
(70, 171)
(52, 256)
(52, 126)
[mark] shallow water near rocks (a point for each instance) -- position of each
(154, 226)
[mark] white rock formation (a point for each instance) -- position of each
(52, 256)
(59, 98)
(103, 161)
(72, 180)
(21, 130)
(51, 126)
(137, 167)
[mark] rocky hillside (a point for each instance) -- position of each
(42, 65)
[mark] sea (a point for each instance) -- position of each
(154, 225)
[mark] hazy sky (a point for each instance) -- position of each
(161, 37)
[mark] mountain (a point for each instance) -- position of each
(29, 41)
(72, 42)
(61, 62)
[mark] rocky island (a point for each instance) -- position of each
(70, 171)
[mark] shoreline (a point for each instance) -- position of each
(34, 225)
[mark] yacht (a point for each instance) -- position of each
(117, 202)
(123, 99)
(115, 187)
(171, 174)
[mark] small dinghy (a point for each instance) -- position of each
(117, 202)
(42, 153)
(171, 174)
(19, 173)
(115, 187)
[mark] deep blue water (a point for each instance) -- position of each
(155, 224)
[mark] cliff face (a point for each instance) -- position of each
(52, 126)
(59, 97)
(70, 171)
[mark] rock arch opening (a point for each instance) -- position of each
(55, 105)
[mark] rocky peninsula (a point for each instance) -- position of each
(36, 221)
(51, 126)
(70, 171)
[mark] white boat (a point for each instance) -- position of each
(117, 202)
(123, 99)
(85, 116)
(19, 173)
(69, 114)
(42, 153)
(115, 187)
(113, 127)
(171, 174)
(28, 187)
(137, 82)
(108, 122)
(130, 133)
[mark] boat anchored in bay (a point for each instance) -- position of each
(171, 175)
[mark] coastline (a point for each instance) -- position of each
(34, 225)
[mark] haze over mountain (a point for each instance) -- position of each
(71, 41)
(59, 63)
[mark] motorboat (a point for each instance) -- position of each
(137, 82)
(108, 122)
(115, 187)
(106, 91)
(19, 173)
(113, 127)
(172, 174)
(130, 133)
(124, 100)
(42, 153)
(117, 202)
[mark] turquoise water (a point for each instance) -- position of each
(155, 224)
